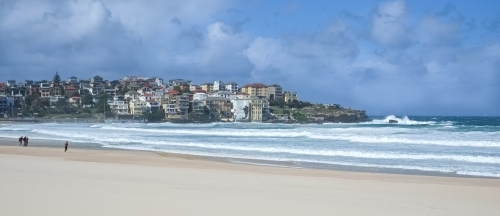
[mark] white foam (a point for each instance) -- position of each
(405, 120)
(255, 157)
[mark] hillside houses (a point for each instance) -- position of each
(178, 99)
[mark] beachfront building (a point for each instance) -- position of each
(198, 107)
(6, 103)
(182, 104)
(170, 111)
(241, 110)
(255, 89)
(219, 106)
(256, 109)
(118, 106)
(137, 107)
(274, 92)
(290, 96)
(152, 106)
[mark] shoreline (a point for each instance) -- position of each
(48, 181)
(250, 162)
(131, 157)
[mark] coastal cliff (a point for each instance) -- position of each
(318, 113)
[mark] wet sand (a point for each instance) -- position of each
(48, 181)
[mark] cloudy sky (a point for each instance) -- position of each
(419, 57)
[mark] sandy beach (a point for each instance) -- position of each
(47, 181)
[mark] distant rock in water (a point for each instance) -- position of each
(392, 121)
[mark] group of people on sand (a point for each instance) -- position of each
(23, 141)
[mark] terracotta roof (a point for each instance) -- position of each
(172, 91)
(147, 95)
(2, 84)
(255, 85)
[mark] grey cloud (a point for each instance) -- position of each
(176, 21)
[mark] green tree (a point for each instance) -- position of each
(103, 98)
(178, 88)
(57, 79)
(87, 100)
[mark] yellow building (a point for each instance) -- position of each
(256, 89)
(137, 107)
(290, 96)
(256, 106)
(207, 87)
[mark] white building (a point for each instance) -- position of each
(231, 87)
(152, 105)
(241, 110)
(225, 94)
(200, 96)
(219, 86)
(132, 95)
(146, 97)
(118, 107)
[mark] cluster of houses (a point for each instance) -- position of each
(178, 99)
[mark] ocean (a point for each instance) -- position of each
(456, 145)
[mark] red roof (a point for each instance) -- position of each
(150, 101)
(147, 95)
(255, 85)
(2, 85)
(172, 91)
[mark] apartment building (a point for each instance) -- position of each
(274, 92)
(290, 96)
(256, 89)
(232, 87)
(207, 87)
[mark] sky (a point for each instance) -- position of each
(425, 57)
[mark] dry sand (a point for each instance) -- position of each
(47, 181)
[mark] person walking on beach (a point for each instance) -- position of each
(27, 139)
(21, 140)
(66, 146)
(24, 141)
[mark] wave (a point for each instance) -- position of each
(330, 153)
(275, 158)
(405, 120)
(397, 140)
